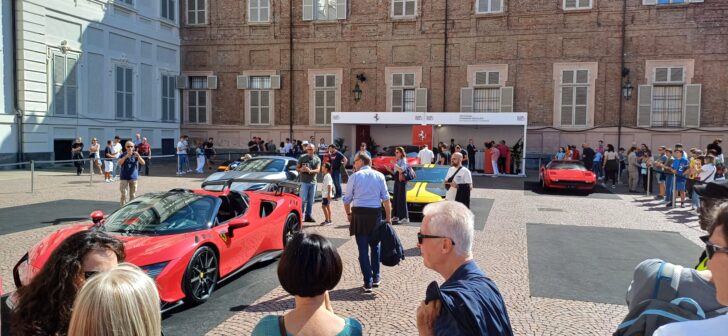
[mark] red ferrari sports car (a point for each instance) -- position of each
(188, 240)
(384, 161)
(566, 174)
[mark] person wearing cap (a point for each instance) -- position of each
(716, 146)
(679, 167)
(705, 174)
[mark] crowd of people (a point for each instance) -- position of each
(672, 168)
(443, 153)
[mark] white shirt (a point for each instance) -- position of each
(707, 173)
(181, 147)
(716, 326)
(328, 181)
(287, 147)
(117, 150)
(462, 177)
(426, 156)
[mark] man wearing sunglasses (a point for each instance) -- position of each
(716, 248)
(309, 165)
(129, 174)
(712, 195)
(468, 302)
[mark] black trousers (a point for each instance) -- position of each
(611, 169)
(502, 165)
(471, 161)
(400, 198)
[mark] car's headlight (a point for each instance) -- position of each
(153, 270)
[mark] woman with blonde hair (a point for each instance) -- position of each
(120, 302)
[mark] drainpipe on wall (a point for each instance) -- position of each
(444, 63)
(16, 101)
(290, 70)
(621, 98)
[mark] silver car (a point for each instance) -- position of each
(273, 168)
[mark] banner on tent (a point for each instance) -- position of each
(422, 135)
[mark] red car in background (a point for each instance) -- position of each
(384, 161)
(567, 174)
(189, 240)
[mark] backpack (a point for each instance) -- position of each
(663, 308)
(392, 251)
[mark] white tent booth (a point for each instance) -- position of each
(397, 128)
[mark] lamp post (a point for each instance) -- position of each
(627, 90)
(357, 90)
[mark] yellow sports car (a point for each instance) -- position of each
(426, 188)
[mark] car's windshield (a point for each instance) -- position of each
(162, 214)
(566, 166)
(436, 174)
(262, 165)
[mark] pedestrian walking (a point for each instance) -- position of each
(425, 155)
(503, 153)
(145, 150)
(458, 182)
(200, 155)
(633, 167)
(210, 152)
(94, 154)
(118, 149)
(338, 163)
(611, 165)
(309, 165)
(471, 149)
(327, 193)
(587, 156)
(678, 168)
(77, 155)
(109, 157)
(560, 154)
(443, 157)
(181, 155)
(366, 193)
(468, 302)
(129, 172)
(400, 215)
(597, 164)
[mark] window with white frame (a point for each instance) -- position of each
(577, 4)
(168, 97)
(197, 96)
(486, 94)
(124, 92)
(196, 12)
(667, 97)
(260, 93)
(65, 84)
(668, 2)
(403, 92)
(168, 8)
(404, 8)
(258, 10)
(324, 98)
(324, 10)
(574, 97)
(489, 6)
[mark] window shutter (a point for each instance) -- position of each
(506, 99)
(692, 105)
(420, 100)
(466, 99)
(397, 100)
(644, 106)
(649, 2)
(182, 82)
(341, 9)
(307, 10)
(275, 82)
(212, 82)
(242, 82)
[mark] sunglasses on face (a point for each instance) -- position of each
(711, 249)
(89, 274)
(421, 237)
(129, 146)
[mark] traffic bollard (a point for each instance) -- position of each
(648, 181)
(674, 188)
(32, 176)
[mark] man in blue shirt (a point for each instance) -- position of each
(129, 163)
(468, 302)
(679, 165)
(366, 192)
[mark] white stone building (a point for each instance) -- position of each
(8, 134)
(96, 68)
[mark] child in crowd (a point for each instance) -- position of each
(327, 192)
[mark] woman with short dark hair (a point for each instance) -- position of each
(308, 269)
(44, 306)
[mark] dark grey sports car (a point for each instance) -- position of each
(273, 168)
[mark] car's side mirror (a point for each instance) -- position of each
(237, 224)
(97, 216)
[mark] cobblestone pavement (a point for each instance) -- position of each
(500, 250)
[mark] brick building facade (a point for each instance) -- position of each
(558, 60)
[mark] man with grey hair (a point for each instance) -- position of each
(468, 302)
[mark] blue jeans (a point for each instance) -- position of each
(670, 179)
(308, 192)
(336, 176)
(597, 168)
(182, 163)
(115, 171)
(695, 199)
(369, 265)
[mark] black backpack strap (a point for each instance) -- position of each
(451, 178)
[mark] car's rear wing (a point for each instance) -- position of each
(277, 186)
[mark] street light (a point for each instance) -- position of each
(357, 90)
(627, 90)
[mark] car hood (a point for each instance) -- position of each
(224, 176)
(38, 254)
(571, 174)
(422, 192)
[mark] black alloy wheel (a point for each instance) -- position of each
(201, 275)
(290, 228)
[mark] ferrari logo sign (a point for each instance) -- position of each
(422, 135)
(224, 237)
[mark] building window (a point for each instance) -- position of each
(489, 6)
(168, 10)
(667, 106)
(260, 94)
(124, 92)
(128, 2)
(574, 97)
(577, 4)
(325, 10)
(197, 100)
(404, 8)
(168, 98)
(196, 12)
(324, 98)
(65, 84)
(486, 100)
(669, 2)
(258, 10)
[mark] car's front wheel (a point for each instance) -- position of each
(201, 275)
(290, 228)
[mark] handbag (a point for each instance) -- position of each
(451, 178)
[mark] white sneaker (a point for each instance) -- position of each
(404, 221)
(107, 181)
